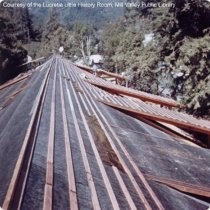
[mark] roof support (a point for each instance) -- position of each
(15, 80)
(181, 186)
(138, 113)
(119, 90)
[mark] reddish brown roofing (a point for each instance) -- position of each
(139, 107)
(118, 89)
(101, 72)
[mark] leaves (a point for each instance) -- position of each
(15, 30)
(178, 58)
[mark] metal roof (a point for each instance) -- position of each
(61, 148)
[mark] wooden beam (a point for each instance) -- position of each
(83, 67)
(105, 178)
(117, 76)
(18, 167)
(181, 186)
(99, 117)
(124, 189)
(48, 194)
(69, 159)
(118, 90)
(176, 122)
(177, 135)
(15, 80)
(33, 61)
(100, 72)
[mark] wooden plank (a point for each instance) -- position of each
(15, 80)
(100, 72)
(21, 191)
(180, 136)
(69, 162)
(49, 173)
(33, 61)
(181, 186)
(118, 90)
(176, 122)
(11, 189)
(108, 186)
(47, 197)
(116, 76)
(133, 181)
(86, 68)
(47, 205)
(141, 195)
(124, 189)
(94, 197)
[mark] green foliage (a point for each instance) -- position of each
(52, 24)
(82, 30)
(15, 29)
(112, 37)
(53, 36)
(178, 58)
(75, 41)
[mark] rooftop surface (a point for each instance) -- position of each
(67, 141)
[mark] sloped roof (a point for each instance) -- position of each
(118, 89)
(61, 148)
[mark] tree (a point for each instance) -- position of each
(54, 36)
(111, 41)
(13, 33)
(51, 25)
(176, 59)
(84, 39)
